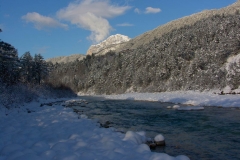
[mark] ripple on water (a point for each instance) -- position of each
(212, 133)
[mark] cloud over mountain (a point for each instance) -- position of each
(92, 15)
(41, 22)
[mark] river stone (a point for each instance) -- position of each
(152, 145)
(176, 106)
(159, 140)
(160, 143)
(106, 124)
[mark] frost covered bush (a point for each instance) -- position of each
(16, 95)
(233, 71)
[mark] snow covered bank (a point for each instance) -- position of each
(184, 97)
(15, 95)
(55, 132)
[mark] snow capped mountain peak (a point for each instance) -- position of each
(117, 38)
(111, 40)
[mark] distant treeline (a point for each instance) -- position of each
(192, 57)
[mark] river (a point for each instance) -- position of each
(212, 133)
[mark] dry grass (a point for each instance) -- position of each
(66, 59)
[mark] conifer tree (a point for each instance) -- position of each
(27, 67)
(40, 68)
(9, 63)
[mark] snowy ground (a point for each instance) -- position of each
(184, 97)
(33, 132)
(54, 132)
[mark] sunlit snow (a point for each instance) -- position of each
(35, 132)
(192, 98)
(54, 132)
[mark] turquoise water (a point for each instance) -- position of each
(212, 133)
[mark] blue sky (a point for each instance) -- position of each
(59, 28)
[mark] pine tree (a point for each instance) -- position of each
(9, 63)
(40, 68)
(27, 67)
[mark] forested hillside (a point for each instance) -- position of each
(199, 56)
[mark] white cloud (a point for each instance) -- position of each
(136, 10)
(41, 22)
(92, 15)
(152, 10)
(125, 25)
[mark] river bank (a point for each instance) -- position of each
(194, 98)
(36, 131)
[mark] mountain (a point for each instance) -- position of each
(66, 59)
(110, 44)
(198, 52)
(149, 36)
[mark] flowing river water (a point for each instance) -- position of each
(211, 134)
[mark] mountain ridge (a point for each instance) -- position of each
(66, 59)
(176, 24)
(108, 44)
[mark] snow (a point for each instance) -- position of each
(195, 100)
(176, 107)
(227, 89)
(108, 43)
(113, 39)
(158, 138)
(56, 132)
(135, 137)
(47, 132)
(185, 108)
(233, 64)
(169, 107)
